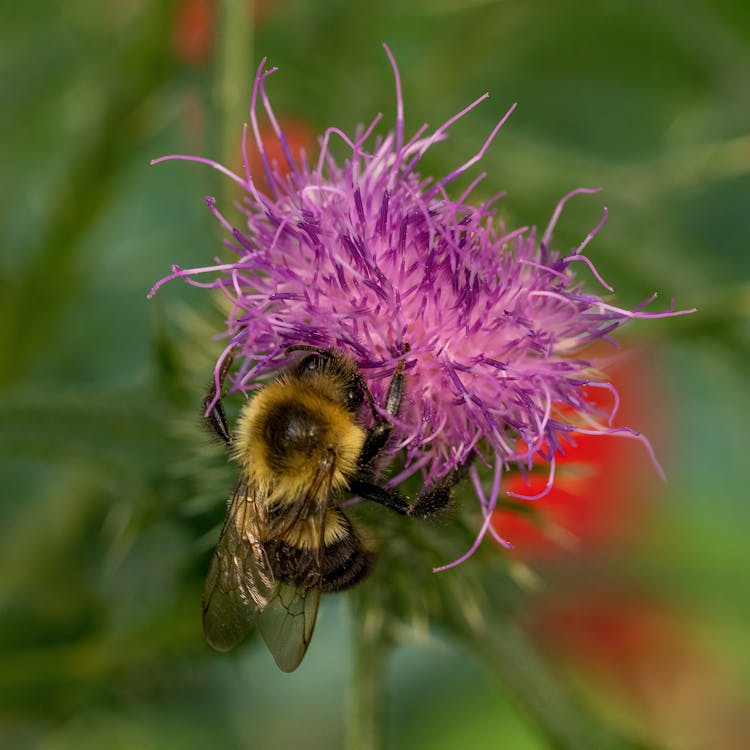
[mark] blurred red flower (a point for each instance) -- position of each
(629, 643)
(194, 27)
(193, 30)
(647, 655)
(299, 136)
(603, 485)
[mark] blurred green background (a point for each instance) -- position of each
(110, 493)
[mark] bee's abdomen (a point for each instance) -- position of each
(346, 563)
(343, 563)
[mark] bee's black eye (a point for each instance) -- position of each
(354, 397)
(309, 364)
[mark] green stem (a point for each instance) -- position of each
(566, 721)
(367, 695)
(234, 71)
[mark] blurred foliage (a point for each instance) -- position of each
(111, 491)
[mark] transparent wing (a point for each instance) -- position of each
(287, 624)
(287, 621)
(240, 580)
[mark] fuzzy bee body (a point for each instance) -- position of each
(300, 445)
(344, 561)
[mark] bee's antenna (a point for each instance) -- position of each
(308, 348)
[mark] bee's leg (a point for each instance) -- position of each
(392, 499)
(395, 390)
(216, 420)
(378, 434)
(429, 501)
(377, 437)
(215, 417)
(437, 496)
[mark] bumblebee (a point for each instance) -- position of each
(301, 446)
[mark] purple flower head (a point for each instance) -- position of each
(373, 258)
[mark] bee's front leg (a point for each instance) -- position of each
(430, 500)
(437, 496)
(215, 417)
(378, 434)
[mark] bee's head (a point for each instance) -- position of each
(333, 376)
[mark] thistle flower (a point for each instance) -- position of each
(371, 257)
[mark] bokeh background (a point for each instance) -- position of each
(626, 601)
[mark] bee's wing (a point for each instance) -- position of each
(240, 581)
(287, 621)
